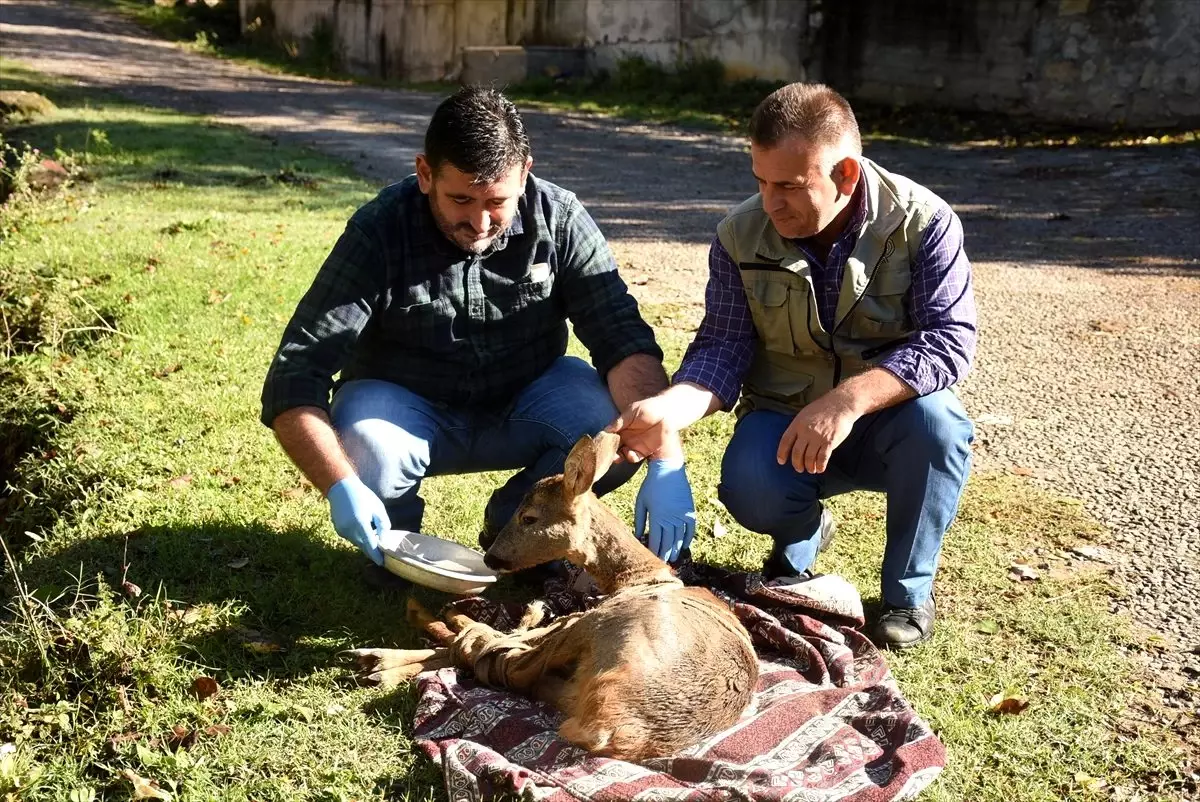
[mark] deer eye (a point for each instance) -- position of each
(528, 520)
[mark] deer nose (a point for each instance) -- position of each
(495, 563)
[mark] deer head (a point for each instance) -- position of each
(554, 519)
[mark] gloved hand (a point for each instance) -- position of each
(666, 500)
(359, 515)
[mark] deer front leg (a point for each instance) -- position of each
(390, 667)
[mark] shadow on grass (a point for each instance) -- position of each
(299, 602)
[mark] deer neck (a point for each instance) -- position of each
(614, 558)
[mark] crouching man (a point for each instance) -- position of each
(838, 313)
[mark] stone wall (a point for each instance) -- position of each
(1135, 62)
(1092, 61)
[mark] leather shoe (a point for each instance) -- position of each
(903, 627)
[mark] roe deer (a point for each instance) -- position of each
(654, 668)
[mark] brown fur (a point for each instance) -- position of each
(653, 669)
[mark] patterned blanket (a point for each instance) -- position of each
(827, 721)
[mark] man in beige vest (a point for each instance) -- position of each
(838, 313)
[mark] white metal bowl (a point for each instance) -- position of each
(436, 563)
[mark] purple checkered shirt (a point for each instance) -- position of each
(940, 303)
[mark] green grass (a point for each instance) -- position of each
(150, 296)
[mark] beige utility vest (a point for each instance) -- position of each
(796, 360)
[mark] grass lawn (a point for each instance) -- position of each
(141, 306)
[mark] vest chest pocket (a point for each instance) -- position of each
(883, 309)
(768, 301)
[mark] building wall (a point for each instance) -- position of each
(1092, 61)
(1097, 61)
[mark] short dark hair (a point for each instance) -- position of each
(813, 112)
(479, 131)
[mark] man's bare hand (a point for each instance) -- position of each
(815, 432)
(643, 429)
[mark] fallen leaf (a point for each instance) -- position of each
(217, 729)
(218, 297)
(987, 627)
(1089, 553)
(204, 687)
(143, 788)
(334, 709)
(163, 373)
(180, 738)
(1006, 703)
(131, 589)
(719, 529)
(257, 642)
(240, 562)
(124, 738)
(1089, 783)
(293, 493)
(1021, 470)
(181, 481)
(1020, 572)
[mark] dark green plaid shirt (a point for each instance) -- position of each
(397, 301)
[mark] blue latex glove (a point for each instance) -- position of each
(666, 500)
(359, 515)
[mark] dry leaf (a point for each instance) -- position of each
(293, 493)
(1108, 326)
(204, 687)
(167, 371)
(1003, 703)
(1020, 572)
(131, 589)
(218, 297)
(180, 738)
(217, 729)
(257, 642)
(145, 789)
(181, 481)
(240, 562)
(1021, 470)
(719, 529)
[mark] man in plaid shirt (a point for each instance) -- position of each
(838, 314)
(444, 307)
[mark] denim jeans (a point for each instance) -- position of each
(395, 438)
(917, 452)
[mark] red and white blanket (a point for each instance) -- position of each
(827, 721)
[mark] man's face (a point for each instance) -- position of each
(802, 186)
(471, 215)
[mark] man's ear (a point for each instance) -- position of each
(424, 174)
(846, 174)
(525, 170)
(580, 469)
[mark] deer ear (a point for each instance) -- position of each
(579, 468)
(606, 451)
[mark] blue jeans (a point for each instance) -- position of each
(917, 452)
(395, 438)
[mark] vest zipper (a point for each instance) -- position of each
(888, 248)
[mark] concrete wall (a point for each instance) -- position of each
(1093, 61)
(1098, 61)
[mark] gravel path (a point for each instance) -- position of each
(1087, 271)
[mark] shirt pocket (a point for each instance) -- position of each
(768, 301)
(883, 309)
(428, 325)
